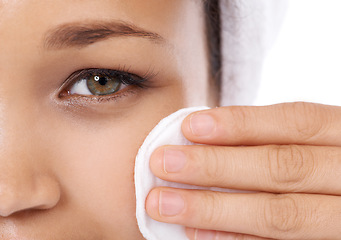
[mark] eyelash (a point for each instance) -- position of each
(122, 75)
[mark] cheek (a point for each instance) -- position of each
(99, 175)
(95, 165)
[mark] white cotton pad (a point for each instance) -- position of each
(167, 132)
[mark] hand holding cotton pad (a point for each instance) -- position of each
(167, 132)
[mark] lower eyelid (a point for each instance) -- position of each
(81, 100)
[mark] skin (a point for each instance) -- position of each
(66, 161)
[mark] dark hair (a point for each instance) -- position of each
(213, 30)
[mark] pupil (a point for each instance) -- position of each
(102, 81)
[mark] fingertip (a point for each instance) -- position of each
(199, 126)
(156, 161)
(152, 203)
(186, 127)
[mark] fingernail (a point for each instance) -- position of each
(173, 160)
(205, 235)
(170, 204)
(202, 124)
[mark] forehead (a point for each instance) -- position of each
(130, 9)
(166, 17)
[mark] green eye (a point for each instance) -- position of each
(102, 82)
(103, 85)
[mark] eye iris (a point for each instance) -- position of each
(101, 80)
(103, 85)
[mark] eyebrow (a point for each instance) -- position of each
(83, 34)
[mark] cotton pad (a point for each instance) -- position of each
(167, 132)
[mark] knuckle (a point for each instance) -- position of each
(215, 166)
(290, 166)
(239, 116)
(282, 215)
(213, 205)
(308, 122)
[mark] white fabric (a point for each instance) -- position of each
(167, 132)
(249, 29)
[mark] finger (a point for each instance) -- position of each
(288, 123)
(270, 168)
(200, 234)
(283, 216)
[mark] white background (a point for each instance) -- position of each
(305, 62)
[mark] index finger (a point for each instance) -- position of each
(286, 123)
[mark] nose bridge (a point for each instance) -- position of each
(17, 123)
(25, 180)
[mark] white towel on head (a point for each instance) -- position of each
(249, 29)
(167, 132)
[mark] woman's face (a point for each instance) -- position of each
(67, 157)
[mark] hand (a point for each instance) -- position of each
(290, 154)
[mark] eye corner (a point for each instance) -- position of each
(64, 93)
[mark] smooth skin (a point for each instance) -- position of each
(67, 163)
(288, 155)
